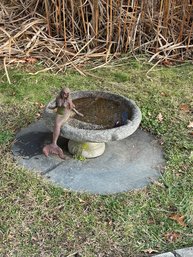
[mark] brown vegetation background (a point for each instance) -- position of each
(70, 32)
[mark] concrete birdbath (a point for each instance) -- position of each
(107, 117)
(126, 164)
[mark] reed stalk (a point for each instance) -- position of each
(47, 16)
(64, 23)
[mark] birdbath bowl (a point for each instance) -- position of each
(107, 117)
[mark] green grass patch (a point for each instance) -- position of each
(5, 137)
(39, 219)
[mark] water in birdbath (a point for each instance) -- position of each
(100, 111)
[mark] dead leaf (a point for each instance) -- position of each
(38, 114)
(161, 141)
(34, 239)
(171, 236)
(159, 184)
(110, 222)
(190, 125)
(163, 94)
(31, 60)
(10, 236)
(184, 108)
(41, 106)
(150, 250)
(166, 63)
(160, 117)
(81, 201)
(179, 218)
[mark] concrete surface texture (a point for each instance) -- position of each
(126, 165)
(186, 252)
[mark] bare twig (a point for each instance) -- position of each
(6, 72)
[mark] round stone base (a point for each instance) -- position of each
(86, 149)
(126, 165)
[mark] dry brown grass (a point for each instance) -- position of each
(71, 32)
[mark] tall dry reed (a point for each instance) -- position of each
(69, 32)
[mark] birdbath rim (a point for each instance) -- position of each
(70, 131)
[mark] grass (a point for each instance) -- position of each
(39, 219)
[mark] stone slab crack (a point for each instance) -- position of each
(51, 168)
(176, 254)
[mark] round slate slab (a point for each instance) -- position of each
(128, 164)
